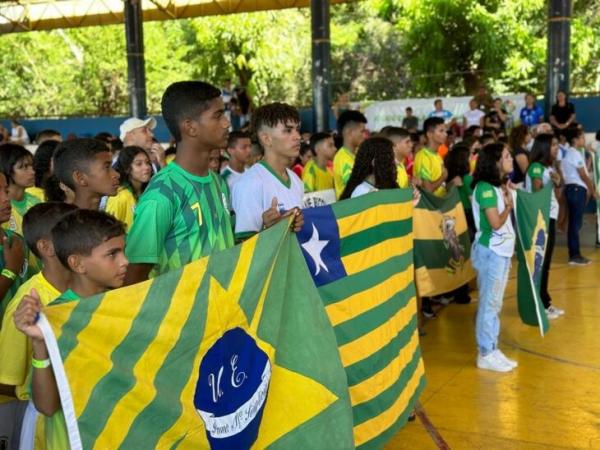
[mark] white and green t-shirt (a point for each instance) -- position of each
(537, 170)
(363, 188)
(501, 241)
(231, 176)
(253, 193)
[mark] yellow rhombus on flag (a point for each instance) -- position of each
(232, 351)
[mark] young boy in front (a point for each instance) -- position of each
(90, 245)
(269, 190)
(184, 212)
(85, 167)
(15, 348)
(429, 165)
(318, 174)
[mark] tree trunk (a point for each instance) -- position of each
(472, 82)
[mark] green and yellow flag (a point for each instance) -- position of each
(442, 245)
(360, 254)
(233, 351)
(532, 217)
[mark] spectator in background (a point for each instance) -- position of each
(484, 100)
(474, 116)
(244, 103)
(440, 112)
(305, 156)
(531, 114)
(519, 141)
(410, 122)
(138, 133)
(239, 148)
(18, 133)
(342, 104)
(48, 135)
(497, 117)
(562, 114)
(4, 135)
(352, 126)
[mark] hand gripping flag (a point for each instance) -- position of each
(233, 351)
(532, 219)
(442, 245)
(359, 252)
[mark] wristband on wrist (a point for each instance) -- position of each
(7, 273)
(40, 363)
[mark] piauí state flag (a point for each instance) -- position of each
(359, 252)
(532, 219)
(233, 351)
(442, 244)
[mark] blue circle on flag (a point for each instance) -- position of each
(232, 389)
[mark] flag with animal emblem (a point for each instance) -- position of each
(442, 244)
(532, 219)
(233, 351)
(359, 252)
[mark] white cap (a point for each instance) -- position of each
(133, 123)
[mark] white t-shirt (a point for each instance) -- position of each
(231, 176)
(546, 180)
(571, 163)
(473, 117)
(502, 240)
(253, 192)
(363, 188)
(19, 132)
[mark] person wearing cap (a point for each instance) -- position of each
(138, 132)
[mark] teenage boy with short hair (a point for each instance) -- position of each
(239, 149)
(184, 212)
(429, 165)
(85, 166)
(90, 244)
(318, 174)
(352, 126)
(269, 190)
(403, 146)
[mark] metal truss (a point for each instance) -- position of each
(34, 15)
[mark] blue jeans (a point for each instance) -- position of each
(492, 276)
(576, 198)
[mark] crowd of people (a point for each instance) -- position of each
(85, 215)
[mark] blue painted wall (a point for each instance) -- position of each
(587, 110)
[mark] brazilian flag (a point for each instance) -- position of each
(360, 255)
(442, 244)
(233, 351)
(532, 220)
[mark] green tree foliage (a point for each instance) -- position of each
(381, 49)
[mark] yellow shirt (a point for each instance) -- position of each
(343, 162)
(122, 206)
(429, 166)
(402, 176)
(37, 192)
(19, 208)
(15, 347)
(315, 178)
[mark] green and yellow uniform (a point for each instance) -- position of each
(343, 162)
(24, 275)
(315, 178)
(37, 192)
(19, 208)
(402, 176)
(122, 206)
(429, 166)
(179, 218)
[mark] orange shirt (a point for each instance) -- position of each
(443, 150)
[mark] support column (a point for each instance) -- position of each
(321, 63)
(136, 74)
(558, 56)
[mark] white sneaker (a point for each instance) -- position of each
(493, 362)
(553, 308)
(552, 314)
(507, 360)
